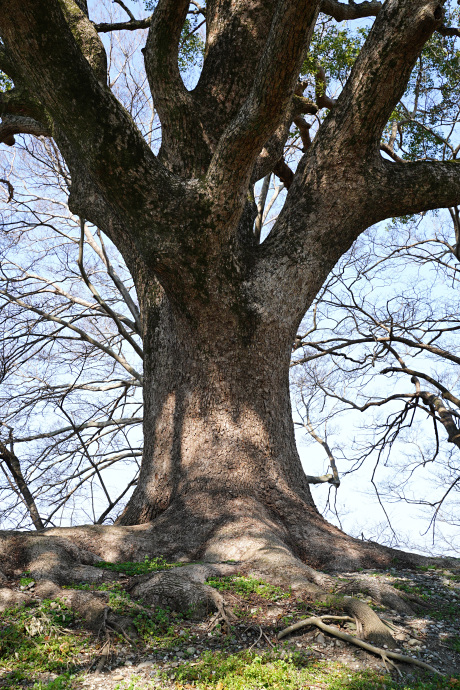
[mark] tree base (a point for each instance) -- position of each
(240, 530)
(257, 546)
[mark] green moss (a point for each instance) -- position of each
(244, 586)
(131, 568)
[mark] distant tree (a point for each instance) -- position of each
(71, 390)
(391, 306)
(383, 340)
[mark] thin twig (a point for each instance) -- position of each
(258, 639)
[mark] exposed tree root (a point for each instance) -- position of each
(104, 655)
(384, 594)
(183, 589)
(258, 545)
(54, 557)
(10, 598)
(264, 554)
(368, 624)
(92, 607)
(386, 654)
(234, 530)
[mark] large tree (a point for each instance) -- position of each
(220, 476)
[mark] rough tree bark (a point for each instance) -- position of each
(221, 477)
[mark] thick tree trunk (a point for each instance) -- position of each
(218, 428)
(221, 477)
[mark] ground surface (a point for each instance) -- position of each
(44, 646)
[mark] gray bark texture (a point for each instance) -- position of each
(221, 477)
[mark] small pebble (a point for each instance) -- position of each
(145, 664)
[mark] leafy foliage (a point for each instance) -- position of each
(191, 45)
(425, 120)
(5, 83)
(335, 47)
(427, 115)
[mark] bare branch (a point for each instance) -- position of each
(115, 502)
(345, 12)
(334, 478)
(10, 189)
(106, 308)
(132, 25)
(445, 416)
(284, 172)
(345, 343)
(390, 151)
(448, 30)
(323, 479)
(304, 129)
(126, 9)
(86, 425)
(14, 467)
(84, 336)
(421, 375)
(101, 252)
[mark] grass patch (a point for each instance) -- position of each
(38, 640)
(45, 639)
(245, 586)
(61, 683)
(410, 588)
(154, 626)
(445, 611)
(455, 643)
(253, 671)
(130, 568)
